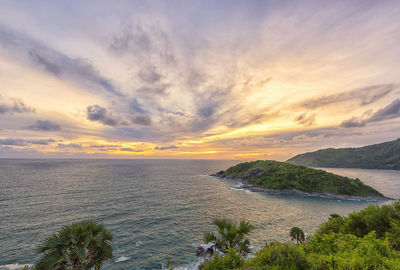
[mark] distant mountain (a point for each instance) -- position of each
(377, 156)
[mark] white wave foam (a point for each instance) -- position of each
(239, 184)
(139, 243)
(192, 266)
(13, 266)
(122, 259)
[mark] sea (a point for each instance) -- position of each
(157, 210)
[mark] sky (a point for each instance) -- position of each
(221, 79)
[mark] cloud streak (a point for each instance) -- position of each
(9, 105)
(365, 95)
(305, 119)
(390, 111)
(44, 125)
(165, 147)
(75, 69)
(128, 149)
(99, 114)
(25, 142)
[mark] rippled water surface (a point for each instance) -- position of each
(158, 210)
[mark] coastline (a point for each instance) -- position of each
(248, 186)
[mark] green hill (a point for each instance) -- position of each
(276, 175)
(378, 156)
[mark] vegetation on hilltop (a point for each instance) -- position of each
(284, 176)
(378, 156)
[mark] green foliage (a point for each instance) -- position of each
(384, 219)
(378, 156)
(231, 260)
(297, 234)
(80, 246)
(230, 235)
(280, 175)
(279, 256)
(368, 239)
(347, 251)
(168, 265)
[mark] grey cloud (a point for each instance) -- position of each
(353, 122)
(165, 147)
(149, 75)
(305, 119)
(130, 38)
(11, 141)
(209, 106)
(103, 145)
(388, 112)
(127, 149)
(171, 112)
(135, 106)
(366, 95)
(143, 120)
(325, 132)
(210, 101)
(14, 105)
(153, 90)
(100, 114)
(206, 110)
(248, 119)
(70, 145)
(25, 142)
(77, 70)
(42, 142)
(212, 107)
(143, 41)
(44, 125)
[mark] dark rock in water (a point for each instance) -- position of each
(220, 174)
(205, 250)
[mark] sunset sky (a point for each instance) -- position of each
(196, 79)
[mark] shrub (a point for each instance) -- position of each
(231, 260)
(279, 256)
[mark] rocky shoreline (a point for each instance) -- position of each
(248, 186)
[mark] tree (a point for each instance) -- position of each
(79, 246)
(297, 234)
(230, 235)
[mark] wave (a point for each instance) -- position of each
(14, 266)
(191, 266)
(241, 189)
(122, 259)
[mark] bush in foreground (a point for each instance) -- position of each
(81, 246)
(368, 239)
(230, 235)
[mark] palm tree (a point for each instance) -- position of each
(80, 246)
(230, 235)
(297, 234)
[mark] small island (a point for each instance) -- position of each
(276, 177)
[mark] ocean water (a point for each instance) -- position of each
(158, 210)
